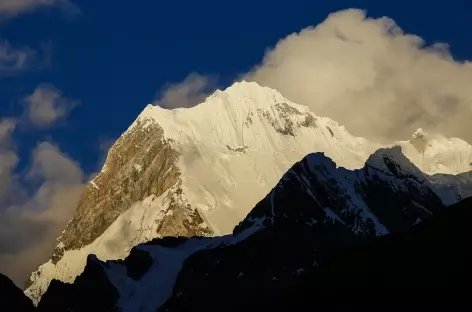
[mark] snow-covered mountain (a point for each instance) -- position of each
(199, 172)
(315, 212)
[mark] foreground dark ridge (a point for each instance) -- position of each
(433, 254)
(430, 255)
(402, 270)
(12, 298)
(288, 245)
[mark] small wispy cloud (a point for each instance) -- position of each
(11, 8)
(8, 158)
(14, 60)
(7, 126)
(47, 105)
(190, 92)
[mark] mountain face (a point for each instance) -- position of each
(200, 171)
(293, 236)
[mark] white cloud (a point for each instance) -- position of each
(7, 126)
(29, 225)
(15, 7)
(47, 105)
(370, 76)
(190, 92)
(35, 204)
(8, 158)
(13, 59)
(51, 164)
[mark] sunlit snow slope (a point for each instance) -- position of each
(232, 150)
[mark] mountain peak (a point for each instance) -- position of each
(245, 113)
(245, 84)
(249, 94)
(249, 87)
(239, 102)
(419, 134)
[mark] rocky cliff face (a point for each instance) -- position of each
(141, 164)
(316, 211)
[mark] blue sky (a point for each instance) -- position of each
(101, 62)
(115, 56)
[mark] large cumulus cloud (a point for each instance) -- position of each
(370, 76)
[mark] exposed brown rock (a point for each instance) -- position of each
(248, 121)
(237, 149)
(309, 121)
(287, 128)
(286, 110)
(139, 164)
(330, 131)
(286, 113)
(180, 218)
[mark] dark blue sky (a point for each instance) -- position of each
(116, 55)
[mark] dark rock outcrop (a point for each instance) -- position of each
(91, 291)
(12, 297)
(402, 270)
(433, 254)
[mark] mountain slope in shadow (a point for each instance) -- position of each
(12, 298)
(423, 267)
